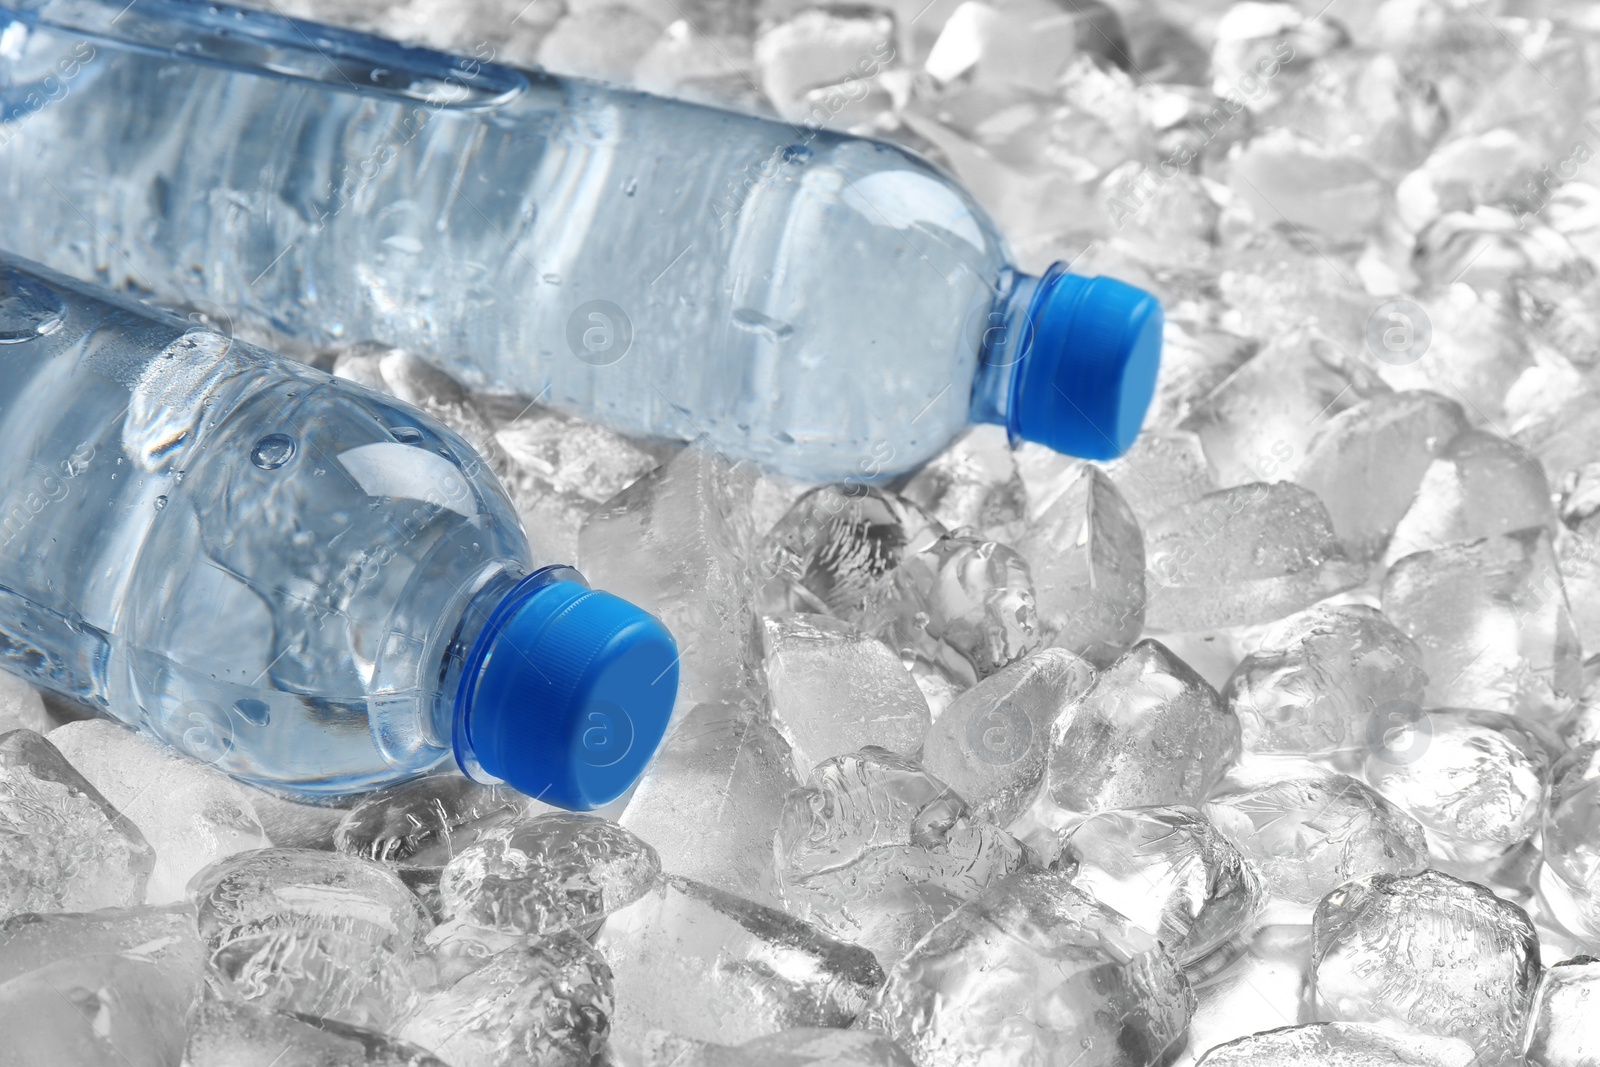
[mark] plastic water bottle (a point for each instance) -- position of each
(312, 586)
(830, 306)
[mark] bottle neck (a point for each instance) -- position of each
(1005, 343)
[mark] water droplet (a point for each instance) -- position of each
(161, 501)
(273, 451)
(758, 323)
(254, 711)
(631, 188)
(28, 308)
(796, 153)
(406, 435)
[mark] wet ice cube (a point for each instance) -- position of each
(1164, 469)
(1308, 830)
(1427, 954)
(1323, 681)
(991, 744)
(1560, 1030)
(1250, 554)
(1167, 871)
(1345, 1044)
(1475, 780)
(163, 936)
(724, 772)
(21, 707)
(556, 871)
(805, 1047)
(192, 814)
(95, 1011)
(416, 823)
(821, 47)
(1033, 966)
(315, 932)
(1572, 838)
(836, 689)
(1475, 350)
(1491, 619)
(1284, 177)
(974, 483)
(709, 965)
(544, 1002)
(874, 850)
(1024, 43)
(1366, 462)
(225, 1033)
(1150, 731)
(1088, 563)
(605, 42)
(1264, 988)
(65, 846)
(1195, 359)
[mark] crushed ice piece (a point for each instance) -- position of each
(1249, 554)
(724, 771)
(1150, 731)
(1475, 780)
(159, 935)
(1195, 359)
(1325, 681)
(675, 543)
(1460, 174)
(1308, 830)
(1164, 469)
(66, 848)
(1425, 953)
(1367, 462)
(1287, 178)
(1572, 839)
(315, 932)
(1263, 988)
(21, 707)
(1167, 871)
(974, 483)
(224, 1033)
(1344, 1044)
(1458, 341)
(556, 871)
(545, 1000)
(803, 1047)
(1491, 619)
(96, 1011)
(1022, 43)
(416, 823)
(991, 744)
(1255, 44)
(712, 966)
(874, 850)
(835, 689)
(687, 63)
(603, 42)
(1272, 289)
(1560, 1030)
(1563, 435)
(1088, 562)
(1578, 557)
(819, 48)
(1035, 967)
(192, 814)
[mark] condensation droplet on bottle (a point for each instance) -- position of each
(272, 451)
(161, 501)
(29, 309)
(406, 435)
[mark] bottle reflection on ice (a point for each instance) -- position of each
(309, 584)
(831, 306)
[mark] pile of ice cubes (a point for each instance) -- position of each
(1271, 742)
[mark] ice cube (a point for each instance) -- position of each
(1572, 839)
(1491, 619)
(836, 689)
(709, 965)
(1088, 561)
(1425, 954)
(804, 1047)
(1578, 557)
(1256, 44)
(1195, 359)
(1324, 681)
(556, 871)
(1023, 43)
(1150, 731)
(416, 823)
(687, 63)
(991, 744)
(1286, 178)
(226, 1033)
(1038, 969)
(163, 936)
(1561, 1030)
(1275, 288)
(821, 47)
(95, 1011)
(603, 42)
(21, 707)
(315, 932)
(675, 543)
(1464, 343)
(544, 1001)
(974, 483)
(1164, 469)
(1308, 830)
(1345, 1044)
(1167, 871)
(66, 847)
(1264, 988)
(875, 850)
(1475, 780)
(724, 772)
(191, 814)
(1483, 168)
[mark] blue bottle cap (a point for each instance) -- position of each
(1088, 369)
(567, 693)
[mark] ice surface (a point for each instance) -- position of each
(1284, 177)
(545, 1002)
(421, 823)
(1022, 43)
(1427, 954)
(1169, 872)
(556, 871)
(1560, 1030)
(1036, 968)
(315, 932)
(115, 1010)
(1341, 1045)
(191, 814)
(818, 49)
(1324, 681)
(874, 850)
(1572, 837)
(1088, 563)
(806, 1047)
(230, 1034)
(724, 771)
(1491, 619)
(1264, 988)
(974, 483)
(1165, 468)
(1150, 731)
(1475, 348)
(65, 846)
(709, 965)
(21, 707)
(991, 744)
(1308, 830)
(1250, 554)
(1196, 357)
(836, 689)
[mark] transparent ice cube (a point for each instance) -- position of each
(818, 48)
(1561, 1030)
(803, 1047)
(417, 823)
(1572, 837)
(164, 936)
(974, 483)
(1164, 469)
(224, 1033)
(95, 1011)
(1345, 1044)
(21, 707)
(1264, 988)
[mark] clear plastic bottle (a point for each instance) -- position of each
(310, 585)
(830, 306)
